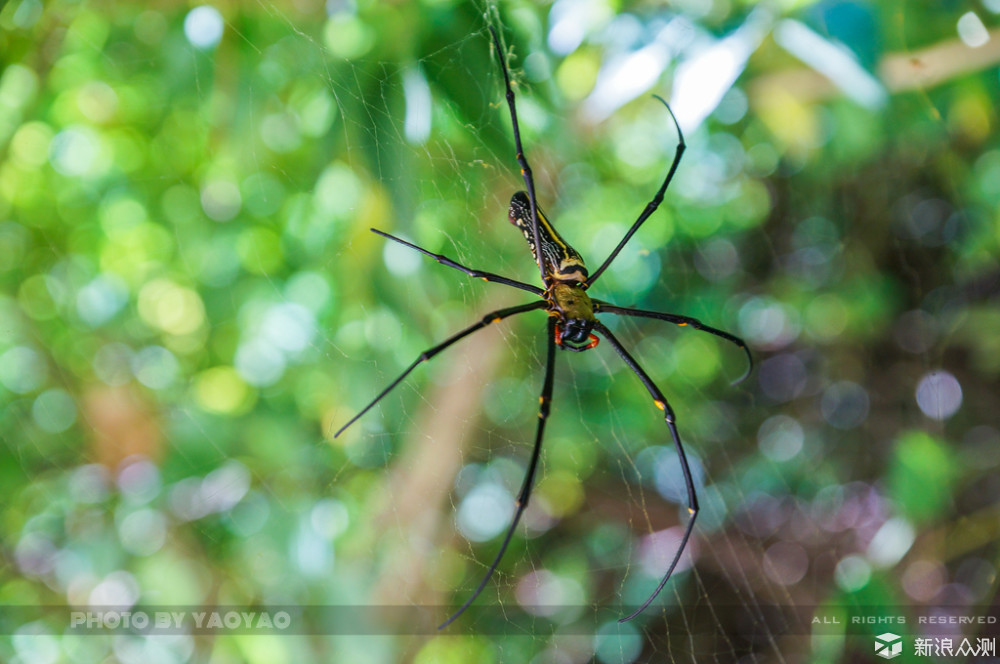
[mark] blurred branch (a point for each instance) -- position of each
(938, 64)
(899, 72)
(953, 540)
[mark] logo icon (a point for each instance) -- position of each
(888, 645)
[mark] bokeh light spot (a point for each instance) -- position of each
(543, 593)
(101, 299)
(54, 410)
(577, 74)
(171, 308)
(203, 26)
(484, 512)
(329, 517)
(259, 362)
(852, 573)
(75, 151)
(288, 326)
(348, 36)
(923, 579)
(617, 643)
(280, 132)
(658, 549)
(22, 369)
(780, 437)
(891, 542)
(143, 532)
(939, 395)
(30, 145)
(669, 475)
(338, 191)
(768, 323)
(221, 390)
(140, 481)
(697, 359)
(786, 563)
(221, 200)
(971, 30)
(401, 261)
(259, 250)
(155, 367)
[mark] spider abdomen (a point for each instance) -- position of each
(562, 262)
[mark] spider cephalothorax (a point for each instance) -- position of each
(574, 311)
(571, 325)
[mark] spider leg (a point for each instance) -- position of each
(479, 274)
(668, 416)
(544, 402)
(652, 205)
(489, 318)
(680, 321)
(529, 180)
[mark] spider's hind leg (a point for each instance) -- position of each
(668, 416)
(488, 319)
(544, 402)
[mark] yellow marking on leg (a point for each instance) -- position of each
(659, 404)
(496, 320)
(690, 512)
(681, 324)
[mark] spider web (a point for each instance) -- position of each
(201, 454)
(491, 453)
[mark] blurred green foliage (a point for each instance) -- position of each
(192, 304)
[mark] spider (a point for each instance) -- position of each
(571, 324)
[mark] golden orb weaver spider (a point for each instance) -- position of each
(571, 324)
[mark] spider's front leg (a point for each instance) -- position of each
(476, 274)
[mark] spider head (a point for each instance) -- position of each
(575, 310)
(575, 334)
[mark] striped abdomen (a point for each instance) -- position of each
(561, 261)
